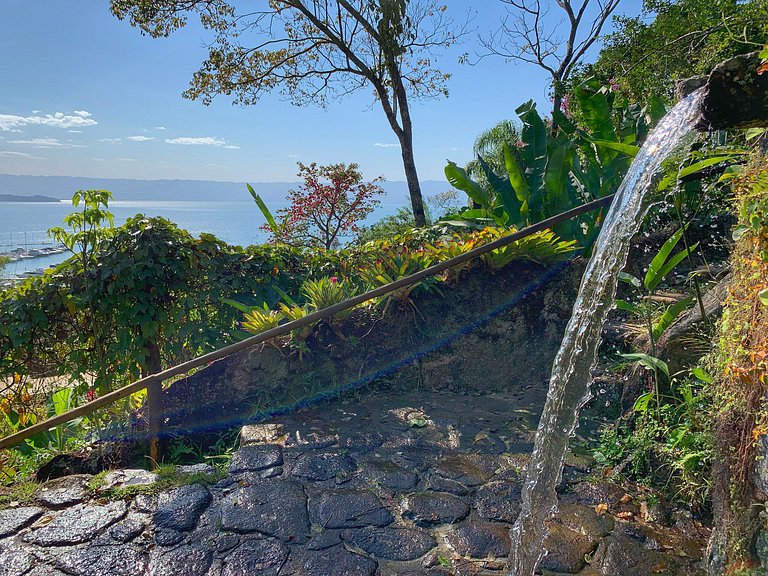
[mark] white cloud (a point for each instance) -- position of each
(381, 145)
(126, 159)
(140, 138)
(77, 119)
(46, 143)
(19, 155)
(159, 127)
(75, 131)
(203, 141)
(111, 140)
(232, 147)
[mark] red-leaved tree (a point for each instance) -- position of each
(330, 203)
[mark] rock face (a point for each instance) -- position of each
(736, 95)
(518, 323)
(433, 499)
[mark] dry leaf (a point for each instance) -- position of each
(625, 499)
(644, 511)
(601, 509)
(625, 515)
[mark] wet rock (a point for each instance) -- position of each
(262, 434)
(168, 538)
(566, 550)
(319, 466)
(336, 561)
(584, 519)
(363, 442)
(264, 557)
(256, 457)
(324, 539)
(273, 507)
(499, 501)
(467, 469)
(14, 519)
(201, 468)
(736, 95)
(480, 540)
(388, 475)
(64, 491)
(103, 560)
(181, 561)
(391, 543)
(77, 524)
(593, 493)
(437, 483)
(348, 509)
(129, 528)
(127, 479)
(145, 503)
(429, 508)
(44, 570)
(226, 542)
(620, 554)
(14, 560)
(180, 509)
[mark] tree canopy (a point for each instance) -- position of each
(675, 39)
(315, 51)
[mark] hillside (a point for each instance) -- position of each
(62, 187)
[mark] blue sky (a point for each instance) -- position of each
(84, 94)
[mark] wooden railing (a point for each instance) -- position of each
(153, 383)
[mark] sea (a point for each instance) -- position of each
(26, 224)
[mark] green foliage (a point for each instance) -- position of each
(674, 451)
(547, 173)
(675, 39)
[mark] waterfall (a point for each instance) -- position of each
(571, 372)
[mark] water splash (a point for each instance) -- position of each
(571, 371)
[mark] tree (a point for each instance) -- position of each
(489, 145)
(331, 203)
(527, 34)
(315, 51)
(674, 39)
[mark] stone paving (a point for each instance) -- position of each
(412, 483)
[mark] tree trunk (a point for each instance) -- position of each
(154, 404)
(414, 188)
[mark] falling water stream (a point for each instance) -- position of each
(571, 372)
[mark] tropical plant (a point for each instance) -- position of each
(329, 205)
(551, 172)
(656, 321)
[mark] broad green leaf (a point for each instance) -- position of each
(235, 304)
(504, 192)
(702, 375)
(556, 178)
(628, 307)
(641, 404)
(653, 276)
(670, 315)
(264, 210)
(669, 180)
(459, 179)
(753, 133)
(674, 261)
(763, 296)
(628, 149)
(517, 180)
(648, 362)
(630, 279)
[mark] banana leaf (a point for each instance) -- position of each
(459, 179)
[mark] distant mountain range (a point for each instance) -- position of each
(62, 187)
(34, 198)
